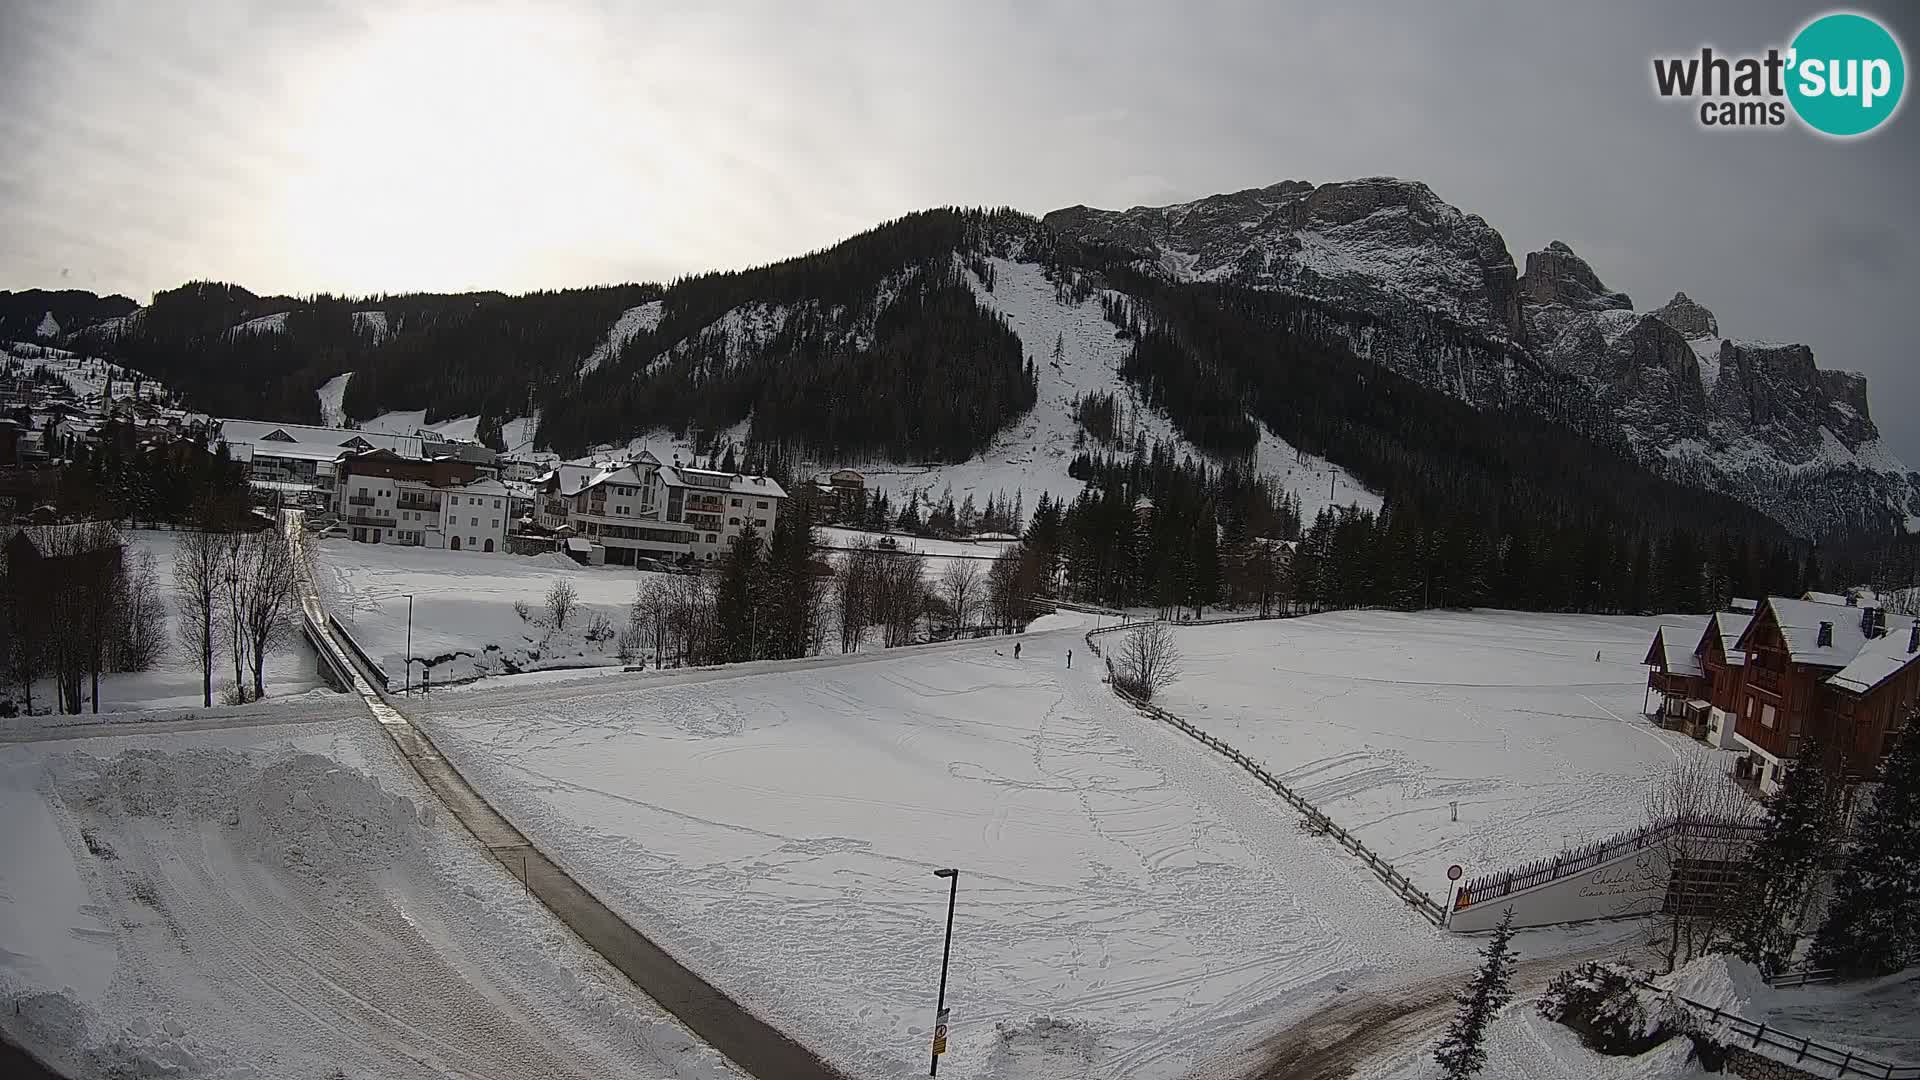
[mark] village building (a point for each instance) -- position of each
(386, 498)
(643, 510)
(291, 460)
(1826, 667)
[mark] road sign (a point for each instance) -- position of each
(1454, 872)
(940, 1033)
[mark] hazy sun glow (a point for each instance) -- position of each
(454, 152)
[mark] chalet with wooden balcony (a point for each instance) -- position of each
(1822, 670)
(1675, 674)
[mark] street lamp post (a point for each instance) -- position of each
(946, 954)
(406, 681)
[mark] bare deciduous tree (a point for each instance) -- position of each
(1147, 660)
(270, 600)
(142, 617)
(858, 572)
(561, 602)
(198, 571)
(960, 584)
(1699, 860)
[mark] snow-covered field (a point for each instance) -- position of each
(1127, 902)
(175, 681)
(281, 902)
(464, 623)
(1531, 723)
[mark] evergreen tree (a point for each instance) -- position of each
(1786, 863)
(1462, 1051)
(734, 613)
(1873, 922)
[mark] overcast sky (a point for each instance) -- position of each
(362, 147)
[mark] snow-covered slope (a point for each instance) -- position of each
(635, 320)
(332, 393)
(87, 377)
(1032, 454)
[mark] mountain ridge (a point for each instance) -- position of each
(1401, 277)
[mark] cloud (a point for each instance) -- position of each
(362, 146)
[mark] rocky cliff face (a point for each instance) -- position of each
(1379, 243)
(1756, 420)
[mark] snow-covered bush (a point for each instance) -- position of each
(599, 628)
(521, 609)
(1603, 1004)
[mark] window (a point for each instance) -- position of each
(712, 539)
(453, 500)
(736, 502)
(760, 522)
(496, 504)
(470, 541)
(475, 522)
(496, 523)
(761, 505)
(1766, 716)
(363, 493)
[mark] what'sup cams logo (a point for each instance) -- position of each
(1842, 76)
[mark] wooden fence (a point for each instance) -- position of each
(1317, 819)
(1577, 860)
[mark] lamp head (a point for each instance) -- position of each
(946, 873)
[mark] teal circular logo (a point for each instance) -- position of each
(1846, 74)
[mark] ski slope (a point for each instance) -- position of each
(1032, 454)
(1127, 902)
(284, 902)
(1383, 719)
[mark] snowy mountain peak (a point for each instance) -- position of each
(1558, 276)
(1377, 242)
(1689, 317)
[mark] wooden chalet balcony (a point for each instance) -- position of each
(1764, 679)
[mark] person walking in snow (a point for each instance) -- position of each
(1016, 650)
(1069, 659)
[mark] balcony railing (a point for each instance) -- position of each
(1765, 678)
(419, 504)
(360, 500)
(382, 521)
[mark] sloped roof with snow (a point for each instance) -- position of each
(706, 479)
(1730, 625)
(1878, 660)
(1678, 655)
(311, 441)
(1799, 622)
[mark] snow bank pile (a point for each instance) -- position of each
(1044, 1048)
(307, 814)
(1724, 982)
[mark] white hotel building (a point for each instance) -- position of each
(645, 510)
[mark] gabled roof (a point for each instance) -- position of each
(1671, 653)
(1799, 622)
(311, 441)
(1823, 597)
(1728, 626)
(1879, 660)
(710, 480)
